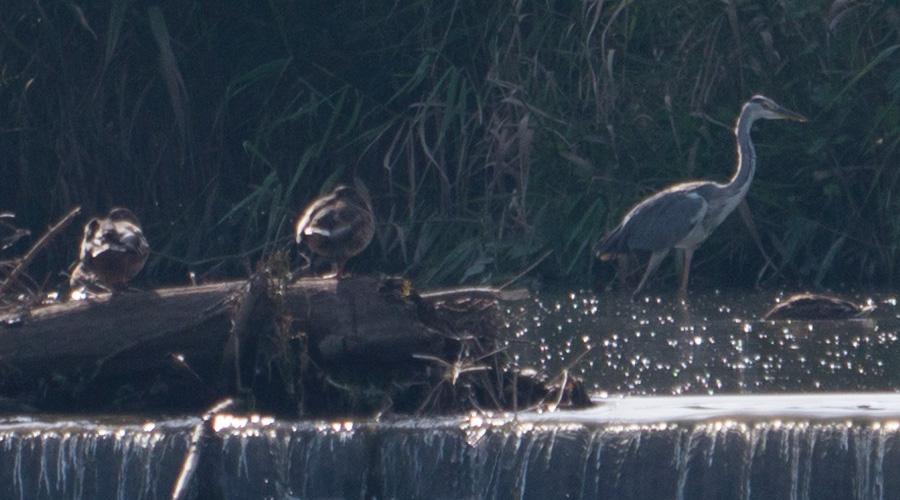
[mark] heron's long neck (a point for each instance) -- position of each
(746, 163)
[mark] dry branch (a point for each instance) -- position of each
(37, 247)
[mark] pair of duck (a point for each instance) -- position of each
(338, 226)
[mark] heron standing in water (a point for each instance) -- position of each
(684, 215)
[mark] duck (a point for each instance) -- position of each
(337, 226)
(113, 251)
(812, 306)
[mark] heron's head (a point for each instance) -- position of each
(357, 195)
(121, 214)
(342, 190)
(760, 106)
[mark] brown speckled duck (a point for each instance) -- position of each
(811, 306)
(337, 225)
(113, 251)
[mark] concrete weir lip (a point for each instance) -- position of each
(745, 407)
(837, 406)
(881, 408)
(822, 446)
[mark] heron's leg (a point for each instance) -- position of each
(655, 259)
(622, 270)
(686, 270)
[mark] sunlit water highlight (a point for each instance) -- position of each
(714, 344)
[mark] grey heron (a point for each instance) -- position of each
(684, 215)
(337, 225)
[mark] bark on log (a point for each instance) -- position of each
(359, 318)
(120, 327)
(370, 319)
(315, 346)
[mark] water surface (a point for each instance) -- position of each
(714, 344)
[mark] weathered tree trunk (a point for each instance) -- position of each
(356, 316)
(328, 347)
(129, 329)
(210, 333)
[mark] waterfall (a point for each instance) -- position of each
(723, 459)
(835, 446)
(88, 460)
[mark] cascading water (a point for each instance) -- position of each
(90, 460)
(561, 457)
(637, 448)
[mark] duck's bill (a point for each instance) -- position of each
(791, 115)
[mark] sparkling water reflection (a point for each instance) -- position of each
(715, 343)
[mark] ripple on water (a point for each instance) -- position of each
(714, 344)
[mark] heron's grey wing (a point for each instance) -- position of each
(662, 221)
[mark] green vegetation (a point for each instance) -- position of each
(491, 134)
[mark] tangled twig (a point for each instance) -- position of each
(37, 247)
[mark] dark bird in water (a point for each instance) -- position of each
(113, 251)
(811, 306)
(337, 225)
(684, 215)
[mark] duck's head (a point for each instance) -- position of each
(120, 228)
(355, 195)
(122, 214)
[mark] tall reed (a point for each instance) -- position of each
(493, 135)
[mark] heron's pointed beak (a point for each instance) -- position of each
(791, 115)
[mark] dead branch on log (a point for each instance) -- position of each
(203, 432)
(14, 233)
(477, 292)
(37, 247)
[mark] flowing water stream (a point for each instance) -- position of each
(695, 401)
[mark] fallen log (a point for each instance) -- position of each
(115, 328)
(348, 317)
(311, 346)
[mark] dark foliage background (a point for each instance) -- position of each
(489, 133)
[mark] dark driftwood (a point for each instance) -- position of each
(361, 345)
(358, 318)
(361, 317)
(315, 346)
(117, 327)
